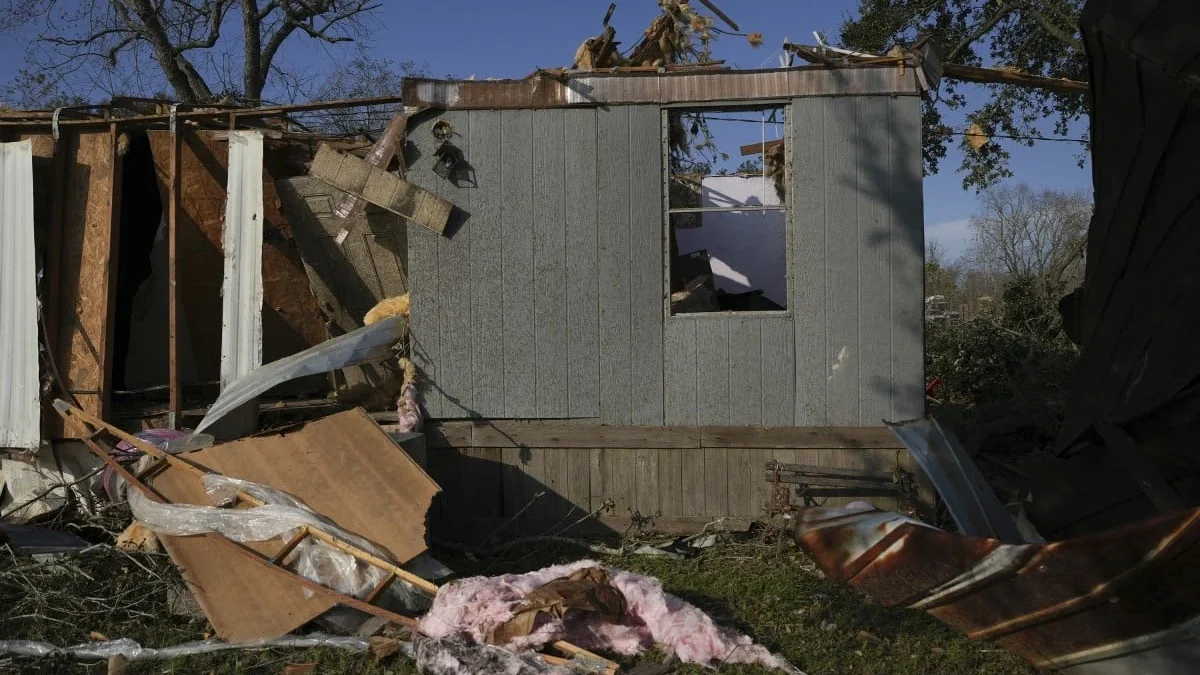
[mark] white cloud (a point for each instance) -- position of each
(953, 236)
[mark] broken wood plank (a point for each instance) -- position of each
(758, 148)
(383, 189)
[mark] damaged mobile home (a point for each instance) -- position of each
(544, 233)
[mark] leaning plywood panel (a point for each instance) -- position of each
(19, 400)
(242, 239)
(344, 467)
(291, 320)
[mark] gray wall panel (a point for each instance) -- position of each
(454, 289)
(646, 239)
(583, 341)
(679, 372)
(487, 265)
(875, 388)
(612, 193)
(520, 355)
(712, 371)
(745, 370)
(549, 263)
(778, 371)
(908, 261)
(809, 178)
(424, 326)
(842, 259)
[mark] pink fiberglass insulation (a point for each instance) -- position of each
(476, 605)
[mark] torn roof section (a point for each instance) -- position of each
(628, 87)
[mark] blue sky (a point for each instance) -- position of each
(509, 39)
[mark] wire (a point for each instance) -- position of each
(1014, 138)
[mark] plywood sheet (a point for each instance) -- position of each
(344, 467)
(291, 320)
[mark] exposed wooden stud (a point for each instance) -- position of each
(387, 581)
(174, 178)
(291, 546)
(114, 262)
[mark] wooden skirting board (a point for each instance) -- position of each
(538, 434)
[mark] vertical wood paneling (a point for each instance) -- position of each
(482, 481)
(764, 490)
(842, 259)
(716, 482)
(583, 346)
(424, 321)
(741, 491)
(694, 482)
(712, 372)
(624, 480)
(513, 480)
(648, 486)
(454, 289)
(486, 267)
(778, 372)
(745, 370)
(579, 488)
(875, 388)
(646, 267)
(533, 463)
(670, 482)
(679, 371)
(600, 477)
(556, 480)
(520, 354)
(809, 179)
(549, 260)
(908, 257)
(613, 169)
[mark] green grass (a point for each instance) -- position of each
(766, 588)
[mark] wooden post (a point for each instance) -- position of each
(175, 411)
(114, 260)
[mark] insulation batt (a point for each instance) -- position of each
(476, 605)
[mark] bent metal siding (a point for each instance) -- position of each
(546, 300)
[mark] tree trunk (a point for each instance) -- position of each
(253, 77)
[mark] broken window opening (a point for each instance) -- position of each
(727, 210)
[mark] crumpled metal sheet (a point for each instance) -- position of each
(1059, 604)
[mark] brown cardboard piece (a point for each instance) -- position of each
(344, 467)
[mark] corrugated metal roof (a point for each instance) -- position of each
(242, 289)
(20, 425)
(600, 88)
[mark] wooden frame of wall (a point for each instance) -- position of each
(680, 477)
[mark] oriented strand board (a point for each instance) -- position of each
(344, 467)
(291, 319)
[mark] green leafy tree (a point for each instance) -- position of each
(1038, 37)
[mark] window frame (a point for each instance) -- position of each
(666, 111)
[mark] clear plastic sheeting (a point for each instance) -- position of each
(456, 655)
(132, 651)
(281, 516)
(364, 345)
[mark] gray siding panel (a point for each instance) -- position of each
(712, 372)
(842, 259)
(612, 192)
(778, 372)
(486, 266)
(549, 263)
(454, 290)
(745, 370)
(809, 264)
(424, 326)
(520, 355)
(583, 346)
(875, 386)
(644, 173)
(908, 261)
(679, 372)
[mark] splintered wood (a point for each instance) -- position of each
(382, 188)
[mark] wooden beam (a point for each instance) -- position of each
(114, 262)
(1000, 76)
(561, 434)
(386, 190)
(759, 148)
(174, 177)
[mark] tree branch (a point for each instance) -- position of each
(216, 16)
(1047, 25)
(983, 29)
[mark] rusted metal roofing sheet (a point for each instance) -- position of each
(1112, 597)
(20, 416)
(596, 88)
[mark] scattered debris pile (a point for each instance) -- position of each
(593, 606)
